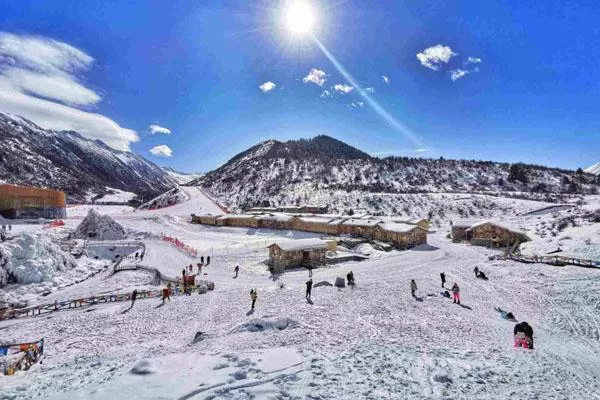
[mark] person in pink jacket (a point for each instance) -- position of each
(456, 293)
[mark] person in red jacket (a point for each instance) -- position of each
(456, 293)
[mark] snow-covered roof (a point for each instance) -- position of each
(300, 244)
(362, 222)
(397, 227)
(236, 216)
(410, 221)
(275, 217)
(467, 223)
(314, 220)
(474, 224)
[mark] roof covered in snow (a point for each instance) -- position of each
(474, 224)
(362, 222)
(314, 220)
(397, 227)
(236, 216)
(301, 244)
(275, 217)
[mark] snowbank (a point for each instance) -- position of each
(99, 227)
(32, 258)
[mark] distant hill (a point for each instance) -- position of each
(181, 178)
(328, 171)
(30, 155)
(594, 169)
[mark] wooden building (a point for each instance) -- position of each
(24, 202)
(487, 233)
(422, 222)
(315, 224)
(238, 220)
(297, 253)
(403, 236)
(274, 221)
(359, 227)
(207, 219)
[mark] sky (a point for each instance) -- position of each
(189, 84)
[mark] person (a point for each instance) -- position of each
(191, 268)
(443, 277)
(199, 268)
(413, 287)
(207, 260)
(523, 335)
(476, 270)
(505, 315)
(166, 293)
(310, 268)
(183, 273)
(136, 255)
(350, 278)
(445, 293)
(133, 297)
(456, 293)
(202, 259)
(309, 284)
(253, 297)
(142, 257)
(482, 276)
(236, 270)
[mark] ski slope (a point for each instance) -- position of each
(371, 342)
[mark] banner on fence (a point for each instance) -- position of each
(31, 353)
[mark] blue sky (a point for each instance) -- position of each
(526, 87)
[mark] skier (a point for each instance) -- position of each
(236, 270)
(456, 293)
(443, 277)
(253, 296)
(309, 284)
(476, 270)
(523, 335)
(166, 293)
(207, 260)
(350, 278)
(413, 287)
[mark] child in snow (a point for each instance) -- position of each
(350, 278)
(413, 287)
(207, 260)
(456, 293)
(505, 315)
(445, 293)
(253, 297)
(476, 270)
(443, 277)
(236, 270)
(166, 293)
(523, 335)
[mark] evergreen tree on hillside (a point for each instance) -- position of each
(518, 172)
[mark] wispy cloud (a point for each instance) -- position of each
(162, 151)
(340, 87)
(474, 60)
(358, 104)
(155, 128)
(433, 57)
(315, 76)
(458, 73)
(370, 90)
(42, 79)
(399, 151)
(267, 86)
(385, 79)
(326, 93)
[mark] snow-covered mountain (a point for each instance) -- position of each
(67, 161)
(181, 177)
(594, 169)
(328, 171)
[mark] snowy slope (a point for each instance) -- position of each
(67, 161)
(181, 177)
(594, 169)
(325, 170)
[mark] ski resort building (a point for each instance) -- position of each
(207, 219)
(238, 220)
(315, 224)
(21, 202)
(403, 236)
(297, 253)
(358, 227)
(274, 221)
(487, 233)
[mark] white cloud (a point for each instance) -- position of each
(267, 86)
(162, 151)
(385, 79)
(343, 88)
(326, 93)
(370, 90)
(458, 73)
(433, 57)
(358, 104)
(315, 76)
(421, 150)
(41, 80)
(155, 128)
(474, 60)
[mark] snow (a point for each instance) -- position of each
(116, 196)
(594, 169)
(99, 227)
(373, 341)
(301, 244)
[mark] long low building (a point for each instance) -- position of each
(22, 202)
(297, 253)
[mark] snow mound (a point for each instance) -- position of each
(142, 367)
(99, 227)
(32, 258)
(261, 325)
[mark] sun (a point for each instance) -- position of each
(299, 17)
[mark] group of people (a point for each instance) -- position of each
(139, 256)
(479, 274)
